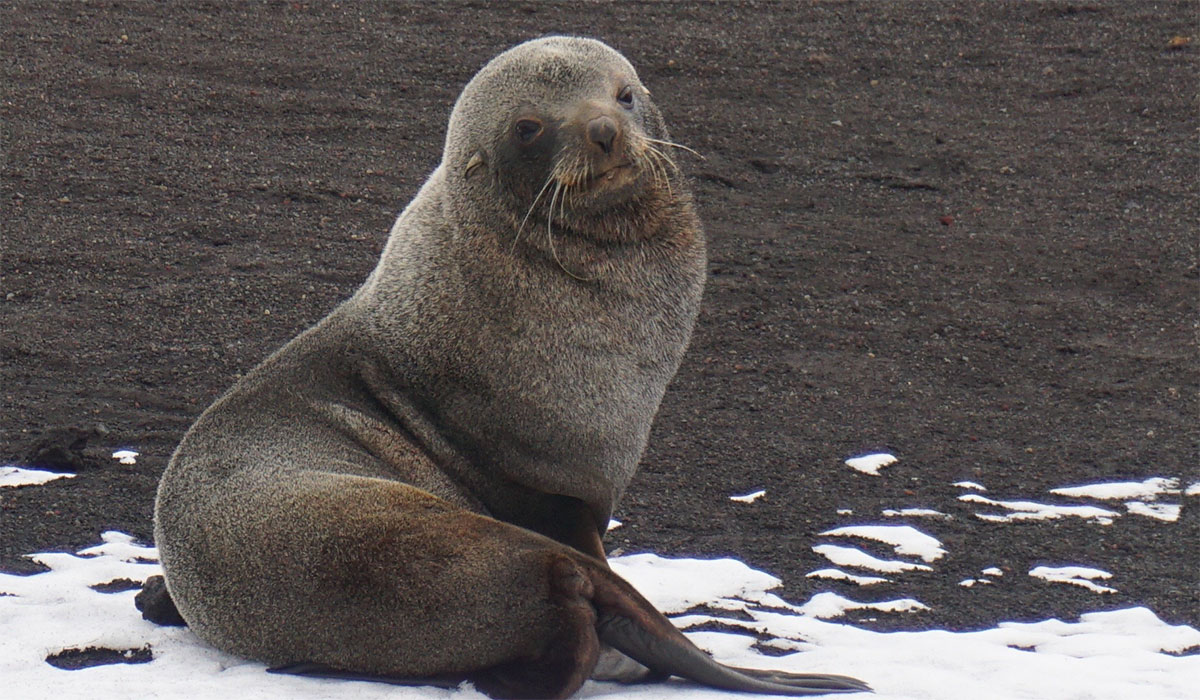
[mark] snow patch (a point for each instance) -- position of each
(121, 546)
(1128, 633)
(914, 513)
(990, 571)
(125, 456)
(19, 476)
(1193, 490)
(969, 485)
(872, 463)
(1075, 575)
(1168, 512)
(674, 586)
(748, 498)
(613, 524)
(1114, 654)
(1029, 510)
(905, 539)
(853, 556)
(839, 575)
(827, 605)
(1122, 490)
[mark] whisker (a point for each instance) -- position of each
(532, 206)
(565, 190)
(666, 158)
(655, 159)
(549, 225)
(675, 145)
(655, 168)
(575, 192)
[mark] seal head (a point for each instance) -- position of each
(561, 130)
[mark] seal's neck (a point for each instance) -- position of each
(541, 375)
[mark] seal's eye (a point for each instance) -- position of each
(625, 96)
(528, 130)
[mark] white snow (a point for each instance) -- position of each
(872, 463)
(1029, 510)
(1111, 634)
(1168, 512)
(120, 546)
(990, 571)
(913, 513)
(19, 476)
(845, 511)
(1142, 491)
(1122, 490)
(839, 575)
(748, 498)
(853, 556)
(674, 587)
(905, 539)
(1115, 654)
(613, 525)
(125, 456)
(1074, 575)
(969, 485)
(1193, 490)
(826, 605)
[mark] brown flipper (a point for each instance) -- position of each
(598, 606)
(561, 669)
(629, 623)
(156, 605)
(566, 661)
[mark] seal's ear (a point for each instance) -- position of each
(476, 161)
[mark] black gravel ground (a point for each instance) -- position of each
(961, 232)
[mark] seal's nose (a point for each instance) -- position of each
(602, 131)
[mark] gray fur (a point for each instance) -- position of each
(335, 505)
(415, 488)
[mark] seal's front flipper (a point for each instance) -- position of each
(566, 658)
(627, 621)
(156, 605)
(315, 670)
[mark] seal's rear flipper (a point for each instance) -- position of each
(156, 605)
(628, 622)
(679, 657)
(819, 680)
(315, 670)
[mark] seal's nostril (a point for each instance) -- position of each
(602, 131)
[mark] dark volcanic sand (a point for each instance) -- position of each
(961, 232)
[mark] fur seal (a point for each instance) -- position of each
(414, 490)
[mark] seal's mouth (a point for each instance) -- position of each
(611, 173)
